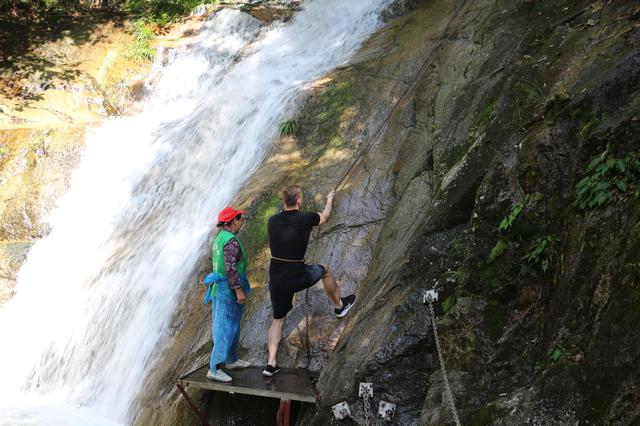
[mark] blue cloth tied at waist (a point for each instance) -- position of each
(218, 286)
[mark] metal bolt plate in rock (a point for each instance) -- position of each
(366, 390)
(386, 410)
(341, 410)
(429, 296)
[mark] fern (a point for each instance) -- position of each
(605, 177)
(508, 221)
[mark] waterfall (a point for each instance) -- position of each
(94, 298)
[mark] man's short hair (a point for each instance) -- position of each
(291, 194)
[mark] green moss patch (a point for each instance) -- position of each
(481, 121)
(495, 319)
(500, 247)
(332, 113)
(486, 415)
(254, 235)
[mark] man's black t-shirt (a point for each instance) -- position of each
(289, 233)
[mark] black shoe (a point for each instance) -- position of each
(347, 304)
(270, 370)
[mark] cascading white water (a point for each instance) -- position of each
(95, 296)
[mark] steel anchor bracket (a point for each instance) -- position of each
(341, 410)
(386, 410)
(366, 390)
(429, 296)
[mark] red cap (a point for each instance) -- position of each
(228, 213)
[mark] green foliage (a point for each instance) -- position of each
(588, 125)
(453, 276)
(288, 127)
(481, 121)
(606, 176)
(542, 253)
(36, 10)
(498, 249)
(141, 49)
(533, 93)
(456, 247)
(448, 303)
(160, 12)
(555, 354)
(508, 220)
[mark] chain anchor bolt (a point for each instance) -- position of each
(386, 410)
(341, 410)
(429, 296)
(366, 390)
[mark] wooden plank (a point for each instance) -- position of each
(290, 383)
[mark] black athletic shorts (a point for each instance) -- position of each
(282, 295)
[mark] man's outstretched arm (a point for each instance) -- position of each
(324, 216)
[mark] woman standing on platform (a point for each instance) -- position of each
(228, 290)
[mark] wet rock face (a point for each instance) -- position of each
(35, 168)
(467, 129)
(527, 308)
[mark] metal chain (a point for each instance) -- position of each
(366, 408)
(445, 379)
(368, 416)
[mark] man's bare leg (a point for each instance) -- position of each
(331, 287)
(273, 339)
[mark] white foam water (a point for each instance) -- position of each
(94, 298)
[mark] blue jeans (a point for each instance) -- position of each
(227, 314)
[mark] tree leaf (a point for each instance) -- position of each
(545, 265)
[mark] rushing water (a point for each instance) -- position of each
(95, 296)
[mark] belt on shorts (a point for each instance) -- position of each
(287, 260)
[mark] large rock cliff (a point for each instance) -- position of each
(492, 151)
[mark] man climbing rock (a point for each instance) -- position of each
(289, 233)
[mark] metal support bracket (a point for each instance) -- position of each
(429, 296)
(197, 412)
(341, 410)
(366, 390)
(386, 410)
(283, 417)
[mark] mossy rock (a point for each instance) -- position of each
(495, 318)
(256, 238)
(486, 415)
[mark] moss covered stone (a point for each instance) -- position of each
(484, 416)
(495, 318)
(254, 233)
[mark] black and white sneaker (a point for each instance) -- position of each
(347, 304)
(270, 370)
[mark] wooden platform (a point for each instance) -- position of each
(289, 384)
